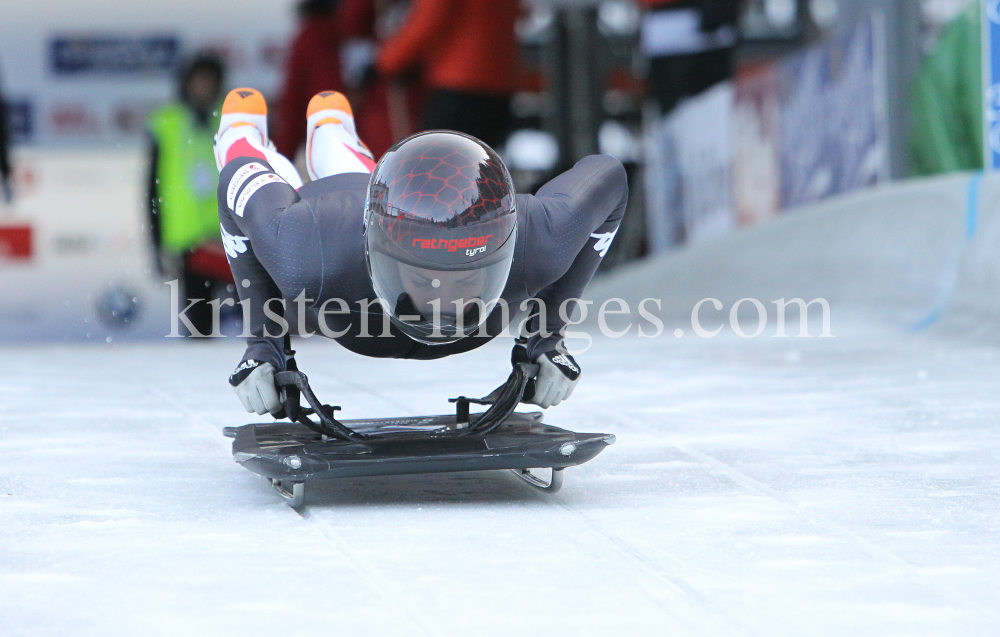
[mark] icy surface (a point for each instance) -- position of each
(844, 486)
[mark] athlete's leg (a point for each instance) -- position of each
(243, 133)
(332, 143)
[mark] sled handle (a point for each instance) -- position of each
(327, 425)
(505, 399)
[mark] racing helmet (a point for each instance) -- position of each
(440, 228)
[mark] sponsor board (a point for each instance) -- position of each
(119, 75)
(833, 136)
(75, 253)
(689, 171)
(86, 54)
(794, 131)
(73, 119)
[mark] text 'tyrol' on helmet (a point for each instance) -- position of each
(440, 228)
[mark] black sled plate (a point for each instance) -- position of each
(291, 452)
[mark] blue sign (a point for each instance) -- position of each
(77, 55)
(991, 82)
(20, 120)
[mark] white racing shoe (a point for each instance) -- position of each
(332, 143)
(243, 132)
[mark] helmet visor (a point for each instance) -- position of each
(435, 304)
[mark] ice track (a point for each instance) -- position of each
(762, 487)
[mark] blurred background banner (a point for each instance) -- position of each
(92, 73)
(88, 54)
(832, 114)
(991, 79)
(75, 262)
(688, 171)
(782, 134)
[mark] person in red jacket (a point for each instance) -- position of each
(468, 54)
(313, 66)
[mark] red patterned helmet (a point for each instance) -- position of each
(440, 228)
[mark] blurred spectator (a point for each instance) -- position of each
(313, 66)
(183, 180)
(385, 110)
(946, 101)
(689, 45)
(468, 54)
(5, 167)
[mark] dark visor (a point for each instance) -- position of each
(436, 305)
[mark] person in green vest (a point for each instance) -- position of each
(183, 180)
(946, 100)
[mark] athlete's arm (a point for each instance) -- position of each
(570, 225)
(273, 246)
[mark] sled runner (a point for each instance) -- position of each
(315, 445)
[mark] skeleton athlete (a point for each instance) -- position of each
(426, 254)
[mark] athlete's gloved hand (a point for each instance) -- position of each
(557, 375)
(253, 382)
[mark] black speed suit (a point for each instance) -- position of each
(282, 243)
